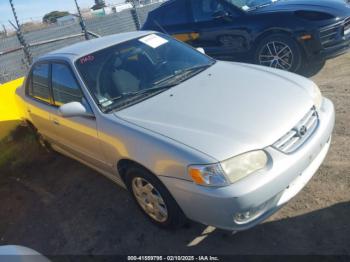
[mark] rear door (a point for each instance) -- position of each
(38, 100)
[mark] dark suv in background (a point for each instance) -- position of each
(292, 35)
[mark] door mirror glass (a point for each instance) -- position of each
(201, 49)
(74, 109)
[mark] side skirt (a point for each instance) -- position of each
(114, 177)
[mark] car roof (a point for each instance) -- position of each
(83, 48)
(160, 9)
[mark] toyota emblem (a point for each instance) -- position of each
(302, 131)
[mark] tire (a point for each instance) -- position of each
(311, 68)
(279, 51)
(173, 216)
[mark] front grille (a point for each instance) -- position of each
(296, 137)
(330, 34)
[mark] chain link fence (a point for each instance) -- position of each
(12, 57)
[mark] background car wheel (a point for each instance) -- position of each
(153, 198)
(311, 68)
(279, 51)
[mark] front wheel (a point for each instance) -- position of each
(279, 51)
(311, 68)
(153, 198)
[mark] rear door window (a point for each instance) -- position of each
(39, 85)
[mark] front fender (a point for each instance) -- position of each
(161, 155)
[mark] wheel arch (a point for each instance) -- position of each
(282, 32)
(271, 31)
(125, 163)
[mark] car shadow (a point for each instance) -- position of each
(63, 207)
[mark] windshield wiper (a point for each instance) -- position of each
(133, 97)
(194, 68)
(109, 101)
(155, 89)
(181, 75)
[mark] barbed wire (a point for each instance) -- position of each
(55, 36)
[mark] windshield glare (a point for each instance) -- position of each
(118, 75)
(247, 5)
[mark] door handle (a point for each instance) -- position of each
(56, 122)
(184, 37)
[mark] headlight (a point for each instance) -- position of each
(316, 96)
(241, 166)
(228, 171)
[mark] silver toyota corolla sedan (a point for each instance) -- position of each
(221, 143)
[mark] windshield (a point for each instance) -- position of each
(247, 5)
(129, 72)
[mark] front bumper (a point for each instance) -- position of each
(315, 52)
(336, 50)
(263, 192)
(321, 48)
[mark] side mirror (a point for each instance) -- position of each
(200, 49)
(221, 14)
(73, 109)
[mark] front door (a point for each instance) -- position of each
(76, 135)
(220, 27)
(176, 21)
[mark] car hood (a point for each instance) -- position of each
(226, 110)
(337, 8)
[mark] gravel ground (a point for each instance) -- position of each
(59, 206)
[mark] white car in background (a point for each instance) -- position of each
(12, 253)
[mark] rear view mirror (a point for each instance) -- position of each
(73, 109)
(201, 49)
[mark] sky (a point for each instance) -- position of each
(28, 10)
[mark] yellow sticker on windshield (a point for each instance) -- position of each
(153, 40)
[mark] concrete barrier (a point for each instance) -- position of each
(10, 115)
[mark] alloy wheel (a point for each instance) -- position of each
(149, 199)
(277, 55)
